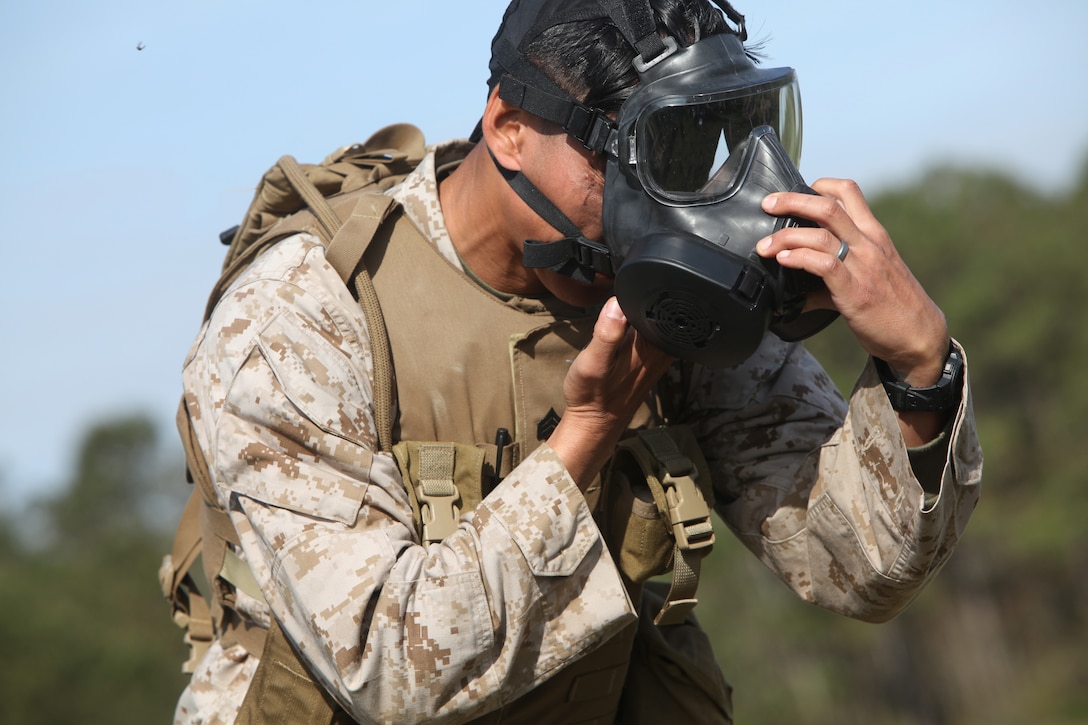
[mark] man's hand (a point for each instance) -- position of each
(879, 298)
(605, 386)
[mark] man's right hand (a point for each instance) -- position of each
(605, 386)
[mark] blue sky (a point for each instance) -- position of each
(120, 166)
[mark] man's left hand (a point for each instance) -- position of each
(879, 298)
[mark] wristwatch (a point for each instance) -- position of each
(943, 396)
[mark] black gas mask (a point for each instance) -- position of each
(703, 140)
(694, 150)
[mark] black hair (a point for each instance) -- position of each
(591, 60)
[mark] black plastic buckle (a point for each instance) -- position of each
(594, 255)
(590, 127)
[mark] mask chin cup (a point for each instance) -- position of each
(790, 324)
(804, 325)
(693, 299)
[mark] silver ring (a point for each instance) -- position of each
(844, 249)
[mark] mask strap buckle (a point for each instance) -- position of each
(590, 127)
(642, 66)
(639, 27)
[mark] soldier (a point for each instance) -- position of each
(586, 267)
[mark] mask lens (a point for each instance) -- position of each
(686, 146)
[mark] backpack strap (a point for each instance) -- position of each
(188, 607)
(345, 253)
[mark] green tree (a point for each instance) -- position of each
(87, 635)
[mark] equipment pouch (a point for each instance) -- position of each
(655, 512)
(443, 481)
(284, 691)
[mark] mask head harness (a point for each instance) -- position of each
(689, 157)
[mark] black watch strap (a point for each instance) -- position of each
(943, 396)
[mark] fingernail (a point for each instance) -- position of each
(769, 202)
(612, 310)
(764, 244)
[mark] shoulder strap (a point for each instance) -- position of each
(188, 607)
(345, 253)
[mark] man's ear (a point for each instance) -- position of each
(503, 126)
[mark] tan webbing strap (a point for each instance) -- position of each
(310, 194)
(349, 244)
(236, 571)
(222, 564)
(345, 254)
(188, 607)
(383, 361)
(436, 491)
(186, 547)
(688, 516)
(199, 632)
(681, 598)
(205, 529)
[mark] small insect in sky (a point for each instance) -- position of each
(140, 46)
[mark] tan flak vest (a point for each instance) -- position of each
(474, 385)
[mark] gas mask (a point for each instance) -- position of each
(703, 140)
(692, 153)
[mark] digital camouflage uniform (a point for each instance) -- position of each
(279, 385)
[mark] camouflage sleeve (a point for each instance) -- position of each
(395, 630)
(824, 492)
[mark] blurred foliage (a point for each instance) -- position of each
(998, 638)
(86, 634)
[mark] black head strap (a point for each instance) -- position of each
(639, 27)
(574, 255)
(530, 89)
